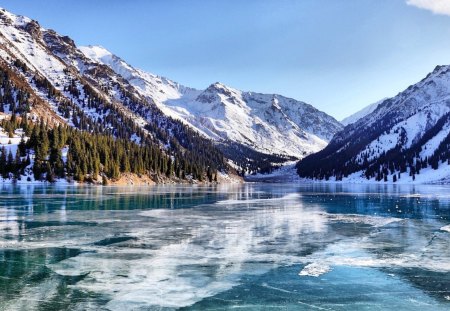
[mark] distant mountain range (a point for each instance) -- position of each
(404, 139)
(243, 124)
(91, 89)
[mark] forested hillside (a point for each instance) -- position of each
(63, 152)
(406, 137)
(46, 83)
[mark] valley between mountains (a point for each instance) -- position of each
(82, 114)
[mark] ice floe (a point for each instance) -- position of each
(446, 228)
(314, 269)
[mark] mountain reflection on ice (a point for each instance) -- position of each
(176, 246)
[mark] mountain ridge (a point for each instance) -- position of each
(62, 86)
(404, 136)
(361, 113)
(93, 90)
(223, 113)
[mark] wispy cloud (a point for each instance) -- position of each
(435, 6)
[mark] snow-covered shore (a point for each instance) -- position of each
(288, 173)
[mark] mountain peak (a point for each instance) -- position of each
(219, 84)
(22, 22)
(13, 19)
(220, 88)
(216, 91)
(217, 87)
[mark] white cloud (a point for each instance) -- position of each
(435, 6)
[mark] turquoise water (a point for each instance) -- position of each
(251, 246)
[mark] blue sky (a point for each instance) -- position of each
(338, 55)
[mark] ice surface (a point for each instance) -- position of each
(375, 221)
(176, 257)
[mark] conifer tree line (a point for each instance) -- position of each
(88, 156)
(101, 144)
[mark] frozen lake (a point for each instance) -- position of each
(251, 246)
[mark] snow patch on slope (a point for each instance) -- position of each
(429, 147)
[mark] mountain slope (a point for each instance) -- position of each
(404, 137)
(361, 113)
(58, 84)
(266, 123)
(244, 124)
(93, 90)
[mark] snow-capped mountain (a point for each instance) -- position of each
(406, 137)
(92, 89)
(60, 85)
(159, 89)
(268, 123)
(265, 123)
(361, 113)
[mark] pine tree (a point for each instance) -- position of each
(10, 162)
(3, 163)
(22, 147)
(18, 165)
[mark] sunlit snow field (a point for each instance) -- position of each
(251, 246)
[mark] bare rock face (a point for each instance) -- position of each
(4, 18)
(69, 41)
(34, 29)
